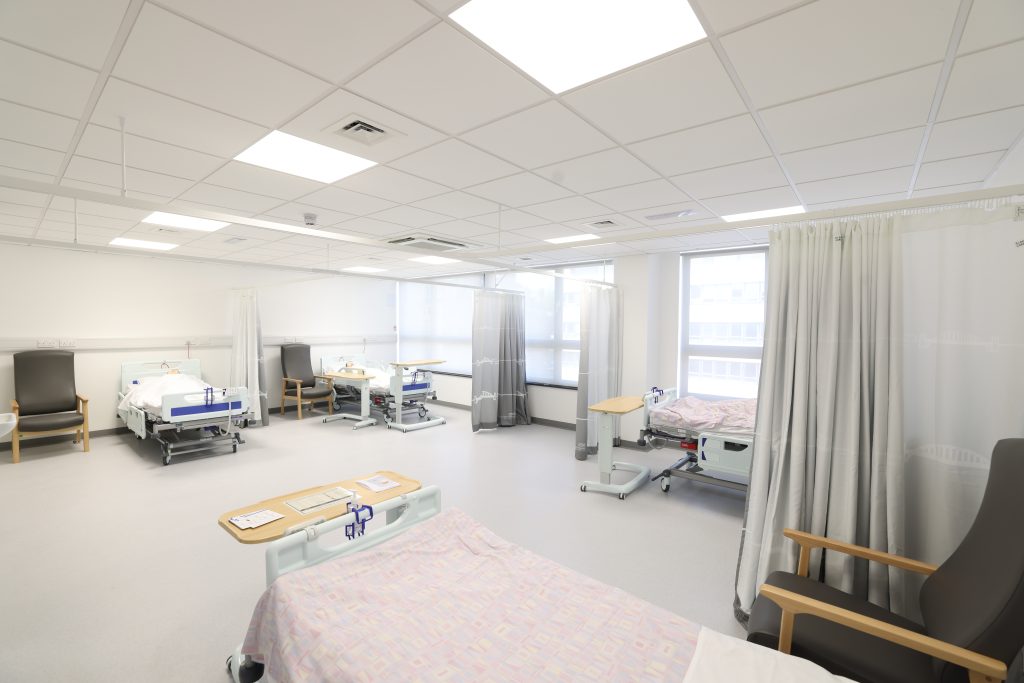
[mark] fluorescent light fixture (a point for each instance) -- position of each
(286, 153)
(767, 213)
(566, 43)
(572, 238)
(364, 269)
(141, 244)
(434, 260)
(176, 220)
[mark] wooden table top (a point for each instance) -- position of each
(277, 528)
(347, 375)
(620, 405)
(414, 363)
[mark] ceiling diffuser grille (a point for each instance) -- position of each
(361, 129)
(428, 243)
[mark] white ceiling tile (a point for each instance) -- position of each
(79, 31)
(153, 115)
(346, 201)
(503, 240)
(27, 175)
(34, 127)
(948, 189)
(187, 205)
(1010, 170)
(546, 232)
(508, 219)
(974, 134)
(992, 22)
(371, 227)
(22, 197)
(641, 195)
(856, 186)
(609, 250)
(214, 71)
(105, 144)
(519, 190)
(21, 231)
(323, 37)
(743, 177)
(463, 229)
(44, 82)
(713, 240)
(410, 216)
(755, 235)
(570, 208)
(89, 220)
(540, 136)
(668, 216)
(103, 173)
(30, 157)
(611, 168)
(970, 169)
(857, 156)
(716, 144)
(321, 122)
(293, 213)
(618, 222)
(18, 221)
(123, 213)
(657, 244)
(249, 178)
(683, 90)
(852, 205)
(387, 183)
(775, 198)
(781, 59)
(455, 164)
(23, 210)
(724, 15)
(881, 106)
(232, 199)
(457, 205)
(984, 81)
(447, 81)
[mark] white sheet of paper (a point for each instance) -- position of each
(256, 519)
(378, 483)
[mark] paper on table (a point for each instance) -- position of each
(315, 501)
(378, 483)
(256, 519)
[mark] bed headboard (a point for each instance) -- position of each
(333, 363)
(153, 368)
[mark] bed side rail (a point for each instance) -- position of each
(211, 404)
(653, 398)
(306, 547)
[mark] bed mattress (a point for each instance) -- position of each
(450, 601)
(148, 394)
(697, 415)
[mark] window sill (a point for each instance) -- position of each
(568, 387)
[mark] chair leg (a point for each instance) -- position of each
(15, 446)
(298, 396)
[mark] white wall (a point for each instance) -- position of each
(106, 300)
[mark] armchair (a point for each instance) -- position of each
(46, 400)
(299, 384)
(972, 604)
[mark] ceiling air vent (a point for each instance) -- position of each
(671, 215)
(428, 243)
(603, 225)
(361, 129)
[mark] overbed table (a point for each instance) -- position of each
(607, 411)
(360, 381)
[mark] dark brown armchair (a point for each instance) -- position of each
(46, 400)
(972, 604)
(299, 384)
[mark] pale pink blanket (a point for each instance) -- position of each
(450, 601)
(731, 416)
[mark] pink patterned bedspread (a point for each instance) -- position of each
(448, 600)
(732, 416)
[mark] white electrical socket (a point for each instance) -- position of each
(47, 343)
(67, 343)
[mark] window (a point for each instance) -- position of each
(722, 320)
(435, 321)
(553, 319)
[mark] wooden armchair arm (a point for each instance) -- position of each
(808, 541)
(980, 667)
(81, 399)
(15, 408)
(292, 379)
(329, 380)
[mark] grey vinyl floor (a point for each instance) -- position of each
(113, 567)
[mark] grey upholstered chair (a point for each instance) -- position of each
(972, 604)
(45, 398)
(299, 384)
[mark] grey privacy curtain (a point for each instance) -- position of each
(600, 361)
(828, 445)
(499, 360)
(247, 353)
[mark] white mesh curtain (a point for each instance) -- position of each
(499, 360)
(600, 374)
(247, 352)
(828, 446)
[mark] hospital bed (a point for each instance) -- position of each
(397, 391)
(717, 435)
(168, 402)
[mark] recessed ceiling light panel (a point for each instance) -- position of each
(434, 260)
(364, 269)
(289, 154)
(767, 213)
(141, 244)
(566, 43)
(176, 220)
(572, 238)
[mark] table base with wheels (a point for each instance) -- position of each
(607, 411)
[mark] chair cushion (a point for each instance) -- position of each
(296, 363)
(320, 391)
(44, 423)
(839, 649)
(44, 381)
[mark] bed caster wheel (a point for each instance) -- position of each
(234, 448)
(423, 412)
(583, 487)
(641, 442)
(665, 484)
(622, 496)
(167, 460)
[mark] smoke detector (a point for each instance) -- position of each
(309, 219)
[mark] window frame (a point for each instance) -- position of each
(687, 350)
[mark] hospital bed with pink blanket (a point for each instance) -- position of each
(717, 436)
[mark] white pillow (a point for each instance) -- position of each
(723, 659)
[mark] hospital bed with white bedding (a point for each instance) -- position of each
(168, 402)
(397, 391)
(717, 435)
